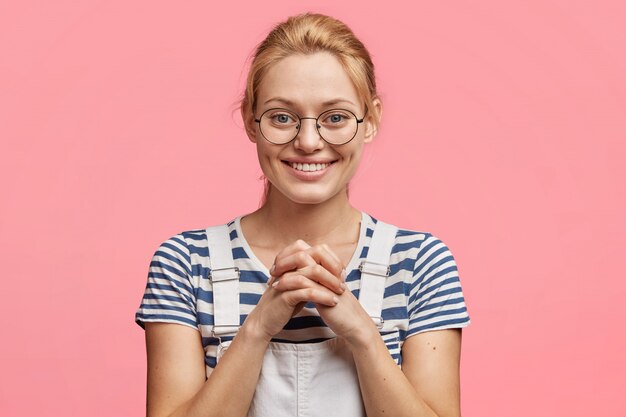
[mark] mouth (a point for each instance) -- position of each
(308, 167)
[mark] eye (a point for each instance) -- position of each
(335, 118)
(282, 118)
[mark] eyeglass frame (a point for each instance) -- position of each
(317, 126)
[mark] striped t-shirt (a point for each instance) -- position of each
(422, 292)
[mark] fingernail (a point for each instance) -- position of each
(336, 300)
(343, 274)
(274, 284)
(272, 268)
(343, 286)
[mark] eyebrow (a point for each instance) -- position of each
(326, 103)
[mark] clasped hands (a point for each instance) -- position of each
(302, 273)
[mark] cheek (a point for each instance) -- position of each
(353, 161)
(356, 152)
(266, 157)
(261, 156)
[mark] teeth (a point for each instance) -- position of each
(308, 167)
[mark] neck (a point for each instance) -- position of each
(280, 222)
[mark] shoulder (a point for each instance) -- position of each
(192, 241)
(406, 238)
(418, 251)
(178, 246)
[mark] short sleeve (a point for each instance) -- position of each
(436, 299)
(169, 295)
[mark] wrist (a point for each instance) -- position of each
(362, 336)
(253, 331)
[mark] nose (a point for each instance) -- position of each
(308, 138)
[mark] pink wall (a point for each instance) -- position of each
(504, 134)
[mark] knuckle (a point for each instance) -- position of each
(302, 257)
(291, 300)
(317, 269)
(313, 250)
(302, 280)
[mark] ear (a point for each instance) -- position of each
(372, 120)
(250, 125)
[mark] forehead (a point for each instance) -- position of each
(307, 81)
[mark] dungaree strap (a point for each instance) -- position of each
(224, 278)
(375, 270)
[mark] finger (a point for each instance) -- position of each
(318, 295)
(293, 281)
(310, 276)
(272, 281)
(297, 246)
(291, 262)
(328, 250)
(319, 254)
(325, 256)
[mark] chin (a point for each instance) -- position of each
(312, 197)
(309, 199)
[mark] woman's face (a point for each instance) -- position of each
(309, 85)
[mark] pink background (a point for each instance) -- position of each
(503, 134)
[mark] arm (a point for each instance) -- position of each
(427, 384)
(176, 372)
(431, 352)
(177, 382)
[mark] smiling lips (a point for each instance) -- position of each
(308, 170)
(308, 167)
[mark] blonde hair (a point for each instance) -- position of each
(306, 34)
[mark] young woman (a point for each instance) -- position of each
(307, 306)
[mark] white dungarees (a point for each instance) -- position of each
(301, 379)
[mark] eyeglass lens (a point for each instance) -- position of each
(336, 126)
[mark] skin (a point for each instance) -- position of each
(305, 234)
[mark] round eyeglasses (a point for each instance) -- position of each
(335, 126)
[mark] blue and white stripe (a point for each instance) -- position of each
(422, 293)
